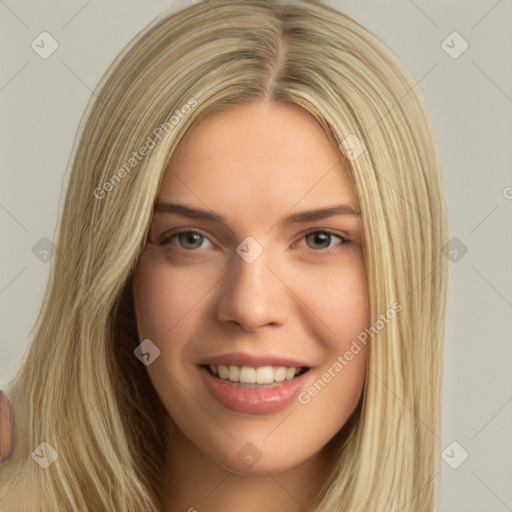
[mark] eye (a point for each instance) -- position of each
(188, 240)
(323, 240)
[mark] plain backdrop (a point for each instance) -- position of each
(468, 92)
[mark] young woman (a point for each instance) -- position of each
(246, 309)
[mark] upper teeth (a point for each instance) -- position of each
(248, 375)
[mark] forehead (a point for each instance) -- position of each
(254, 157)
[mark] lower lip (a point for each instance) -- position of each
(254, 400)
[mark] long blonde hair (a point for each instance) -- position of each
(82, 390)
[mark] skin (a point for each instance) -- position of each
(304, 297)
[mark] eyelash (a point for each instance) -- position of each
(325, 251)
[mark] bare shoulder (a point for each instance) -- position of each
(16, 494)
(17, 491)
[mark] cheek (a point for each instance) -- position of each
(164, 307)
(333, 396)
(340, 301)
(338, 297)
(162, 298)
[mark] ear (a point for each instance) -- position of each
(6, 427)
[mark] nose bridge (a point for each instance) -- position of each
(253, 296)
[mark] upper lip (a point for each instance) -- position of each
(253, 360)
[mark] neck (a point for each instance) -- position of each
(194, 482)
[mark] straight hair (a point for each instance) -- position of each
(81, 389)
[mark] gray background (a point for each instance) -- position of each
(470, 101)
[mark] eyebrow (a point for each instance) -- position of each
(305, 216)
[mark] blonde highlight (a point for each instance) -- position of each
(80, 388)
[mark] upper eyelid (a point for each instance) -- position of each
(329, 231)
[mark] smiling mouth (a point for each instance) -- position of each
(251, 377)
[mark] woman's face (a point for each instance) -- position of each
(252, 286)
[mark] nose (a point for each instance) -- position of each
(253, 296)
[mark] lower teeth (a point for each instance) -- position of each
(254, 385)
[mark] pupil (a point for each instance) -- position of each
(320, 239)
(191, 238)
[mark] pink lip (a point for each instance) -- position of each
(254, 360)
(254, 400)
